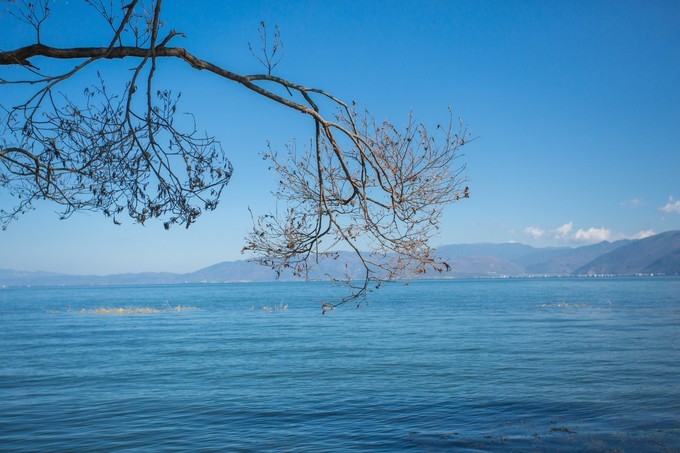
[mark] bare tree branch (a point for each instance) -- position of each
(360, 184)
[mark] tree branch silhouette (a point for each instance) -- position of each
(360, 184)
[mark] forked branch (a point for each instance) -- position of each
(361, 185)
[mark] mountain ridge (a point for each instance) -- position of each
(658, 254)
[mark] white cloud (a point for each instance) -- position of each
(566, 234)
(643, 234)
(635, 202)
(671, 206)
(563, 231)
(592, 235)
(534, 232)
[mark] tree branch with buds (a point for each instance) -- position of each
(360, 184)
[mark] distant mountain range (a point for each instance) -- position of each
(658, 255)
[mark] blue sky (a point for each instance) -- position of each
(575, 107)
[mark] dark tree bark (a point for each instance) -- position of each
(120, 153)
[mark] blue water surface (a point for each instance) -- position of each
(468, 365)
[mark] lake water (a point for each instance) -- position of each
(467, 365)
